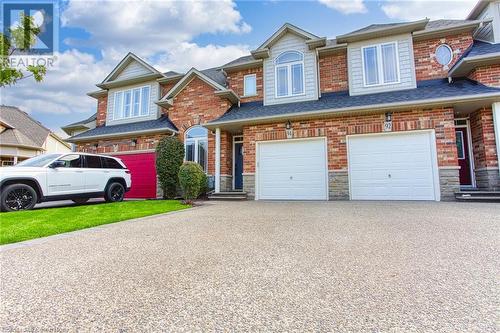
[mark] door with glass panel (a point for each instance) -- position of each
(196, 145)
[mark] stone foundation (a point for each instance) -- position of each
(488, 179)
(249, 185)
(338, 185)
(449, 182)
(226, 183)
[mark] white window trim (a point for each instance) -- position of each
(131, 103)
(244, 85)
(380, 68)
(289, 77)
(451, 54)
(196, 141)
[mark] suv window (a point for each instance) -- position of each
(72, 161)
(93, 161)
(110, 163)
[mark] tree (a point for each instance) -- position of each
(21, 38)
(191, 179)
(169, 158)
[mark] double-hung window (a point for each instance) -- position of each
(380, 64)
(289, 74)
(131, 103)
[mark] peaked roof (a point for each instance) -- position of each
(478, 54)
(24, 131)
(80, 124)
(380, 30)
(215, 77)
(130, 57)
(478, 8)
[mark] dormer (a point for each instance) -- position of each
(290, 65)
(132, 89)
(380, 57)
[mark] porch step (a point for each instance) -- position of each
(477, 195)
(229, 196)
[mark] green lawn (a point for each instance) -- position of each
(19, 226)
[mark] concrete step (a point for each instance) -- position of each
(478, 195)
(230, 196)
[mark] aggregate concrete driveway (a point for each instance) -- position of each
(265, 266)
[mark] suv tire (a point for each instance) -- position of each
(114, 192)
(80, 201)
(17, 197)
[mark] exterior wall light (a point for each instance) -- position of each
(289, 130)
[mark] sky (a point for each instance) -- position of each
(177, 35)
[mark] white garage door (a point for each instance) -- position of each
(398, 166)
(292, 170)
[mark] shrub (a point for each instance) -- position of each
(191, 177)
(203, 185)
(169, 157)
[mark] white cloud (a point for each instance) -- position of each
(346, 6)
(148, 27)
(63, 90)
(434, 9)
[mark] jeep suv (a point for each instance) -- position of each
(74, 176)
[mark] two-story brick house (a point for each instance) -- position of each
(405, 111)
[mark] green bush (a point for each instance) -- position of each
(191, 177)
(169, 158)
(203, 185)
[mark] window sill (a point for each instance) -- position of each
(246, 96)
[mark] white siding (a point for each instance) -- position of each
(290, 42)
(153, 108)
(406, 66)
(132, 70)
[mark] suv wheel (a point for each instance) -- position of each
(18, 197)
(80, 201)
(114, 193)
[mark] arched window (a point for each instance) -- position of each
(289, 74)
(196, 145)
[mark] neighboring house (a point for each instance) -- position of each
(404, 111)
(22, 137)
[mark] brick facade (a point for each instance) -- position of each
(336, 129)
(426, 66)
(483, 139)
(102, 108)
(487, 75)
(333, 72)
(236, 82)
(143, 142)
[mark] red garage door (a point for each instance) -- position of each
(143, 170)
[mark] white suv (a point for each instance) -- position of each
(74, 176)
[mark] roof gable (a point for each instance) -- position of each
(220, 90)
(131, 66)
(24, 129)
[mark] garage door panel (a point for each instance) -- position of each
(292, 170)
(143, 173)
(392, 167)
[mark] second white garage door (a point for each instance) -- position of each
(292, 170)
(398, 166)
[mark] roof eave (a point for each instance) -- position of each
(137, 79)
(260, 53)
(478, 8)
(229, 95)
(465, 65)
(331, 49)
(364, 108)
(244, 65)
(382, 32)
(121, 134)
(98, 93)
(169, 79)
(315, 43)
(432, 33)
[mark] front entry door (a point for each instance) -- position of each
(462, 138)
(238, 165)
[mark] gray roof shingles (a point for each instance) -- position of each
(82, 122)
(26, 131)
(140, 126)
(436, 24)
(428, 89)
(481, 48)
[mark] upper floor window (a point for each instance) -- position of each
(380, 64)
(250, 85)
(131, 103)
(289, 74)
(444, 54)
(196, 145)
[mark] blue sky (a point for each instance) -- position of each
(95, 35)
